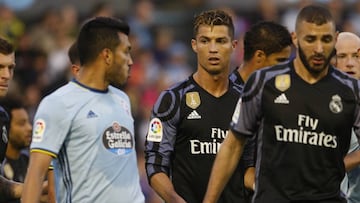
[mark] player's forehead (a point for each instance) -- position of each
(311, 29)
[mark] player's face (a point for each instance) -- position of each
(20, 129)
(278, 57)
(347, 56)
(315, 45)
(7, 65)
(120, 68)
(213, 46)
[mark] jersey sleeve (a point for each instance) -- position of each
(4, 130)
(249, 154)
(161, 136)
(357, 112)
(248, 109)
(51, 125)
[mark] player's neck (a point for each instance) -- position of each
(307, 76)
(12, 152)
(245, 70)
(93, 77)
(215, 85)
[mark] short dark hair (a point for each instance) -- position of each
(10, 103)
(212, 18)
(267, 36)
(73, 53)
(97, 34)
(6, 47)
(314, 14)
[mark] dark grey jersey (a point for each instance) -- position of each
(303, 132)
(185, 132)
(4, 129)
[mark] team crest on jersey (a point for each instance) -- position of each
(335, 104)
(282, 82)
(193, 99)
(39, 130)
(118, 139)
(155, 132)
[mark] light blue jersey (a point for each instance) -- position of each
(350, 186)
(91, 134)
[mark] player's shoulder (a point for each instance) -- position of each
(263, 75)
(180, 88)
(67, 95)
(170, 98)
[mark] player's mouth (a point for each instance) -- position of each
(318, 61)
(214, 60)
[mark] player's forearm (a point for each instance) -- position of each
(163, 186)
(225, 163)
(352, 160)
(32, 189)
(34, 181)
(249, 178)
(9, 189)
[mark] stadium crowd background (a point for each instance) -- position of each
(160, 34)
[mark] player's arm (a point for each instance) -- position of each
(10, 189)
(160, 145)
(51, 186)
(38, 167)
(225, 163)
(163, 186)
(352, 160)
(249, 159)
(249, 178)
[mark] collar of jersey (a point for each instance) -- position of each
(89, 88)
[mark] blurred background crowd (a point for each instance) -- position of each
(161, 30)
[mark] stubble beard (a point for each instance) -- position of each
(314, 71)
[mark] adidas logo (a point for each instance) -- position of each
(194, 115)
(91, 114)
(281, 99)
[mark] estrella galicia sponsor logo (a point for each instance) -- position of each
(118, 139)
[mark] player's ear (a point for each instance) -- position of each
(260, 56)
(294, 39)
(107, 55)
(234, 43)
(194, 45)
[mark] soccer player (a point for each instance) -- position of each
(347, 59)
(15, 165)
(266, 43)
(87, 125)
(302, 113)
(190, 119)
(8, 189)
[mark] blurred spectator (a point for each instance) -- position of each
(177, 68)
(288, 18)
(11, 27)
(141, 22)
(102, 9)
(338, 11)
(354, 18)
